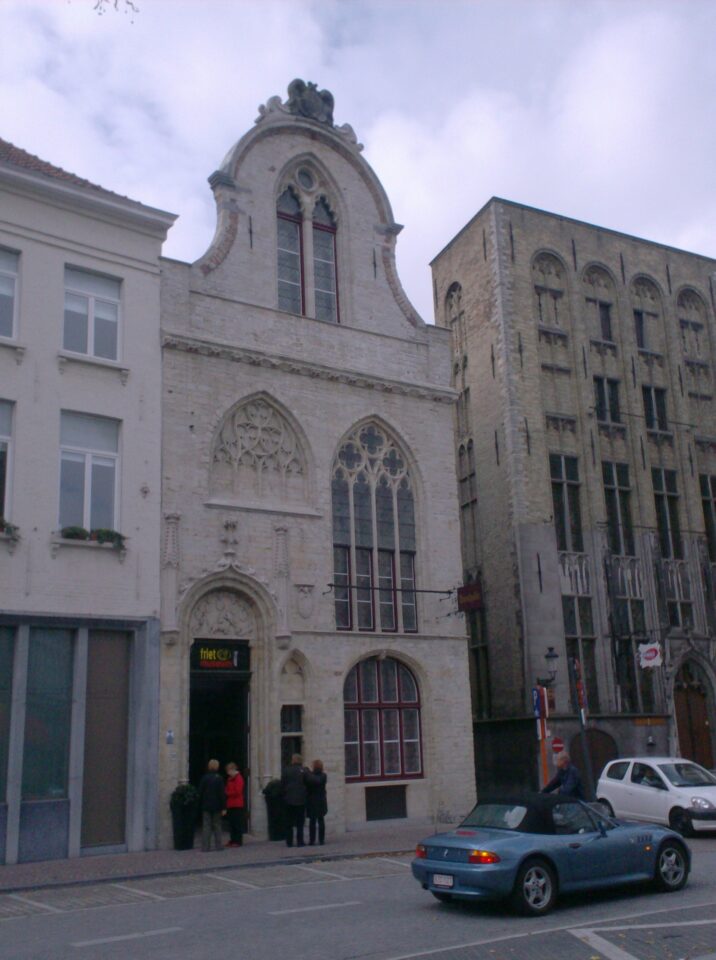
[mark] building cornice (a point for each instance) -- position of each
(94, 202)
(351, 378)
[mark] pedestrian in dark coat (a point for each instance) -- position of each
(294, 796)
(316, 802)
(212, 803)
(567, 781)
(235, 805)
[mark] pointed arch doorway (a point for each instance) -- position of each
(693, 708)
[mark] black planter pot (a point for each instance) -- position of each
(276, 811)
(183, 825)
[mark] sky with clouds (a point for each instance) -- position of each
(602, 110)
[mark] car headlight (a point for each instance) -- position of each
(700, 803)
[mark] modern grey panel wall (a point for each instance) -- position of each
(44, 830)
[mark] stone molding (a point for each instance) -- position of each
(351, 378)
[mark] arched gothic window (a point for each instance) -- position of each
(382, 721)
(290, 252)
(549, 284)
(324, 262)
(373, 534)
(691, 311)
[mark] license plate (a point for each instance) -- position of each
(442, 880)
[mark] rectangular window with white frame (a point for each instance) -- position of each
(92, 314)
(88, 471)
(5, 441)
(8, 292)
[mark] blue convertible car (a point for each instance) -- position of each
(529, 849)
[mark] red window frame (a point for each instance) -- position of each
(380, 706)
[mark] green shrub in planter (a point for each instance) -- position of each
(184, 804)
(103, 535)
(74, 533)
(9, 529)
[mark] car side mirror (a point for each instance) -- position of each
(602, 826)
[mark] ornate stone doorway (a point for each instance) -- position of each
(692, 703)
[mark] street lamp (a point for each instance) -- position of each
(551, 658)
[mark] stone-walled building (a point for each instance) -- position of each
(310, 541)
(80, 371)
(585, 361)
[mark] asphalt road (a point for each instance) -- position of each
(348, 910)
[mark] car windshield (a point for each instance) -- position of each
(500, 816)
(687, 775)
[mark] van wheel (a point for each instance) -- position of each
(680, 821)
(672, 867)
(535, 890)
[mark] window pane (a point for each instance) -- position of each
(575, 519)
(5, 418)
(102, 499)
(569, 615)
(291, 718)
(7, 305)
(386, 593)
(371, 759)
(341, 581)
(411, 754)
(76, 320)
(48, 713)
(72, 490)
(408, 689)
(288, 203)
(326, 306)
(92, 284)
(408, 598)
(86, 432)
(558, 510)
(341, 511)
(384, 516)
(391, 757)
(352, 760)
(388, 681)
(411, 727)
(391, 726)
(3, 478)
(363, 512)
(7, 651)
(105, 330)
(350, 687)
(368, 681)
(406, 517)
(364, 589)
(351, 726)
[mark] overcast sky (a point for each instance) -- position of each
(603, 110)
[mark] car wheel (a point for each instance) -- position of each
(442, 897)
(535, 890)
(680, 821)
(609, 809)
(672, 867)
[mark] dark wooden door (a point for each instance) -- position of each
(691, 707)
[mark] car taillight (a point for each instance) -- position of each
(483, 856)
(421, 851)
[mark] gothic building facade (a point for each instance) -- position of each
(310, 542)
(586, 452)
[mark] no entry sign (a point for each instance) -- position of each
(557, 744)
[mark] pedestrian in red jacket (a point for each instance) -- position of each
(235, 804)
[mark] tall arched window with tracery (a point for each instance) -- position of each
(290, 252)
(373, 534)
(324, 262)
(382, 721)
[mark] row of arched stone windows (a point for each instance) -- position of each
(599, 289)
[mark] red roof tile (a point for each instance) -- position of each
(11, 154)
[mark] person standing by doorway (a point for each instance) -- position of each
(294, 796)
(235, 805)
(316, 802)
(212, 803)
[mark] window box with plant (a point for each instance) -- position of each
(101, 537)
(9, 533)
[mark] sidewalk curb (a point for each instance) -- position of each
(193, 871)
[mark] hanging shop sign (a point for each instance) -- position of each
(650, 655)
(469, 597)
(218, 657)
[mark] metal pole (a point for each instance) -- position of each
(577, 699)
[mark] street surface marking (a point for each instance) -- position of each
(238, 883)
(591, 937)
(544, 932)
(398, 863)
(126, 936)
(142, 893)
(320, 906)
(35, 903)
(322, 873)
(609, 950)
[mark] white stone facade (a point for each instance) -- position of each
(256, 404)
(76, 590)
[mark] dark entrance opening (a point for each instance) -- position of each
(219, 706)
